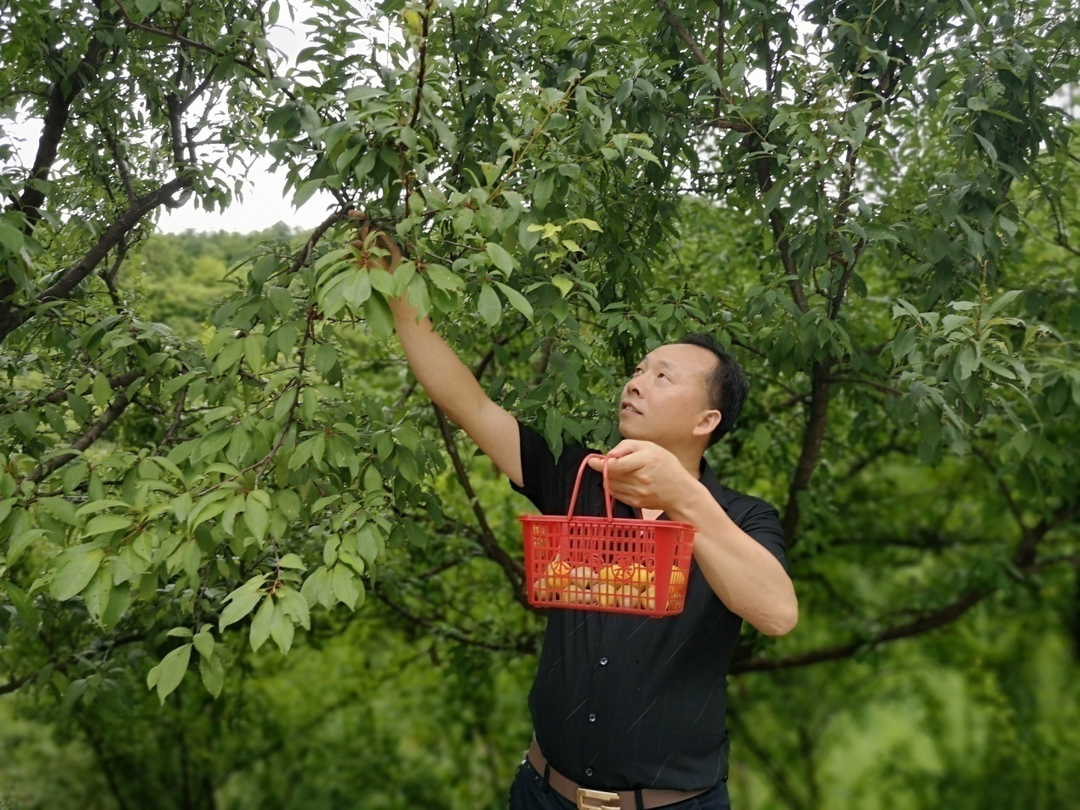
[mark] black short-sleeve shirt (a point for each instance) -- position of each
(623, 702)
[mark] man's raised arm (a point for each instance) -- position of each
(445, 378)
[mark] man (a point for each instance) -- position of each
(628, 711)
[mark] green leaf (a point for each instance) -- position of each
(167, 675)
(28, 615)
(102, 391)
(295, 606)
(102, 524)
(488, 305)
(292, 561)
(119, 602)
(256, 516)
(1004, 300)
(379, 317)
(213, 674)
(75, 572)
(966, 362)
(357, 289)
(61, 509)
(500, 258)
(517, 300)
(282, 629)
(373, 481)
(260, 625)
(98, 594)
(346, 585)
(241, 602)
(443, 278)
(7, 504)
(204, 642)
(542, 188)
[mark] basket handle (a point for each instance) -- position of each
(608, 499)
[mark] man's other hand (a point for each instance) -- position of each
(644, 475)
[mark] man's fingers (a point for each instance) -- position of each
(390, 245)
(624, 457)
(626, 464)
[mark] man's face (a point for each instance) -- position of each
(667, 396)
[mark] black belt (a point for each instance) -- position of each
(591, 799)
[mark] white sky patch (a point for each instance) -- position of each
(264, 201)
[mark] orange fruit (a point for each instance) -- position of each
(648, 598)
(558, 575)
(584, 576)
(606, 594)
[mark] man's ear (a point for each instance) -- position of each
(708, 422)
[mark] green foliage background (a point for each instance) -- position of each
(211, 452)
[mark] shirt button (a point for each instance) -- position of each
(603, 661)
(588, 771)
(592, 718)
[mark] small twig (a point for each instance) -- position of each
(119, 381)
(513, 570)
(720, 22)
(422, 73)
(442, 631)
(1003, 489)
(178, 415)
(303, 256)
(111, 414)
(182, 40)
(121, 164)
(683, 34)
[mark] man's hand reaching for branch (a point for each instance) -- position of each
(377, 249)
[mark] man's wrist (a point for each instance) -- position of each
(687, 498)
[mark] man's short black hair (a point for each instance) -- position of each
(727, 385)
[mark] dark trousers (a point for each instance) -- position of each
(528, 792)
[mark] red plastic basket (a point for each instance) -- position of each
(639, 567)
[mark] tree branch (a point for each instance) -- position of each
(178, 415)
(1024, 555)
(182, 40)
(422, 72)
(1014, 509)
(783, 246)
(720, 22)
(303, 256)
(121, 164)
(61, 96)
(718, 122)
(117, 381)
(15, 684)
(113, 234)
(13, 319)
(111, 414)
(816, 424)
(513, 570)
(683, 34)
(442, 631)
(926, 622)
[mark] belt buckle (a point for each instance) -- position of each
(597, 800)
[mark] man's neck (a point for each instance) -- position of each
(690, 459)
